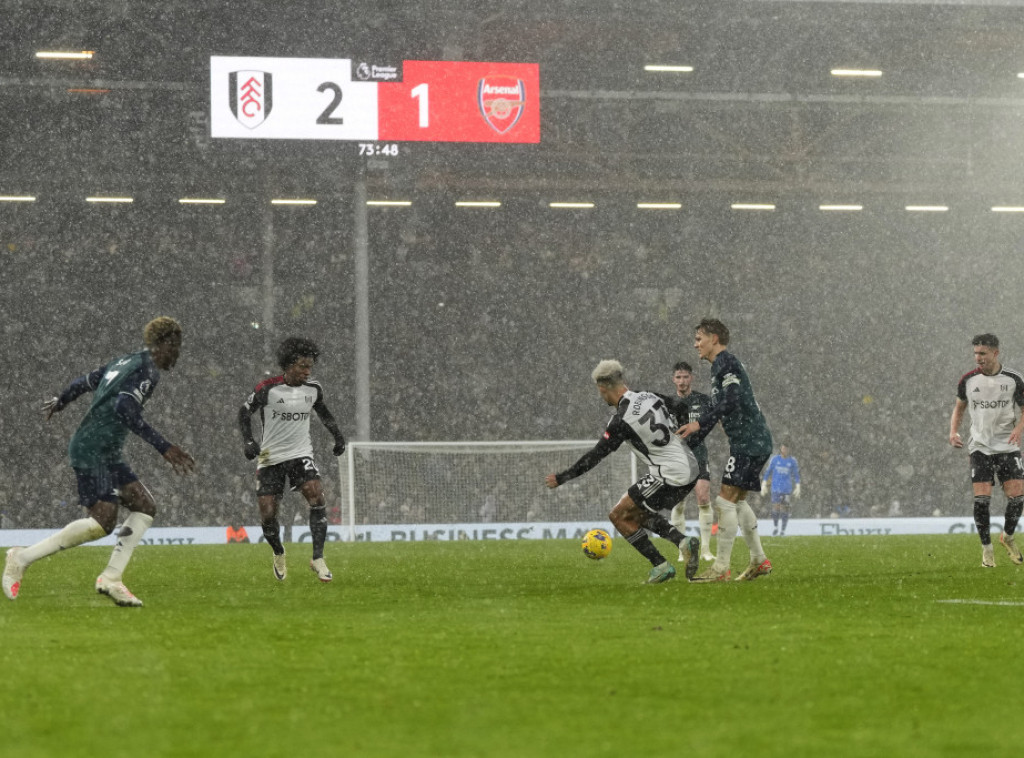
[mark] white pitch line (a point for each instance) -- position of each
(983, 602)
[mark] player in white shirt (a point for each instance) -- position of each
(285, 451)
(642, 420)
(992, 392)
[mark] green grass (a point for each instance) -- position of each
(515, 649)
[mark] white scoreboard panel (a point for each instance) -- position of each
(317, 98)
(290, 98)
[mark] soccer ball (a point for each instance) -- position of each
(597, 543)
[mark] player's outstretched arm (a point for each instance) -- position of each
(50, 407)
(607, 445)
(687, 429)
(181, 460)
(76, 389)
(702, 427)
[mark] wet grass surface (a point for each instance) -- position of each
(854, 646)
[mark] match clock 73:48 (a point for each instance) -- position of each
(374, 148)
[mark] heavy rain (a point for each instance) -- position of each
(467, 206)
(483, 323)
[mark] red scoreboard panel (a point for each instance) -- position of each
(427, 101)
(444, 101)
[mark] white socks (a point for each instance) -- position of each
(706, 518)
(678, 518)
(130, 535)
(72, 535)
(748, 526)
(728, 525)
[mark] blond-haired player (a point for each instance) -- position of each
(642, 421)
(119, 390)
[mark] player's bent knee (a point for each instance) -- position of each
(107, 524)
(618, 514)
(104, 513)
(136, 498)
(268, 505)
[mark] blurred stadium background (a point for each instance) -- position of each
(484, 323)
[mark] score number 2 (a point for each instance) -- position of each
(328, 117)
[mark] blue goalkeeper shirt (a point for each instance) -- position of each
(784, 473)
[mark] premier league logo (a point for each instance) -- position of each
(502, 100)
(250, 94)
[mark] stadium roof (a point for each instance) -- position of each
(760, 111)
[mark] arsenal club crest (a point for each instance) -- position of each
(250, 94)
(502, 100)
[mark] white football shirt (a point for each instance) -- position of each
(990, 401)
(284, 412)
(651, 436)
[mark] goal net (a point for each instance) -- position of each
(476, 482)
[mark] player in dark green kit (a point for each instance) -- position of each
(688, 405)
(120, 390)
(750, 447)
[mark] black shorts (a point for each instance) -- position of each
(744, 471)
(102, 483)
(985, 468)
(654, 494)
(298, 471)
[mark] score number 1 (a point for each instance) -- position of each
(421, 93)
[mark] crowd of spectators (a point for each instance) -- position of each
(484, 327)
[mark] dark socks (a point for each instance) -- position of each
(661, 526)
(318, 529)
(981, 518)
(271, 532)
(645, 547)
(1014, 507)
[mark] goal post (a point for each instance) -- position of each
(386, 483)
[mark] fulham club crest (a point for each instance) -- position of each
(502, 100)
(250, 94)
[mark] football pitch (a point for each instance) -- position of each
(854, 646)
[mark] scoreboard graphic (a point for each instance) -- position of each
(334, 99)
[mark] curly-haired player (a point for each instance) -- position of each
(285, 451)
